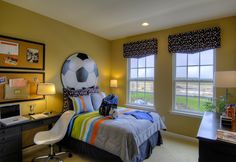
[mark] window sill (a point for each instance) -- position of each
(147, 108)
(187, 114)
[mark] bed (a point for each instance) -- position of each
(124, 139)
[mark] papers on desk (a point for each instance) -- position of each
(226, 136)
(38, 116)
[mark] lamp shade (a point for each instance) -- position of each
(113, 83)
(226, 79)
(46, 89)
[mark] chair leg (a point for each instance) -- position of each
(48, 159)
(52, 155)
(40, 157)
(61, 153)
(51, 150)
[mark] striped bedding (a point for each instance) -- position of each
(121, 137)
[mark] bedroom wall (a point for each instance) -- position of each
(225, 60)
(61, 41)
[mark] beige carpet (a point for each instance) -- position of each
(173, 150)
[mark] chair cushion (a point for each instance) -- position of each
(97, 99)
(82, 104)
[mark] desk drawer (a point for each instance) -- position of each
(9, 135)
(32, 125)
(9, 147)
(10, 158)
(50, 120)
(9, 131)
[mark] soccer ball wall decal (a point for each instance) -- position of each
(79, 71)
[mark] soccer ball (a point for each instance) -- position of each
(113, 113)
(79, 71)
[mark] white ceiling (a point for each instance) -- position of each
(113, 19)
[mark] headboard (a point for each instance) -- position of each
(79, 76)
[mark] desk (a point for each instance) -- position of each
(11, 137)
(211, 149)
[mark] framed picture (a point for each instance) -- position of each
(17, 53)
(20, 86)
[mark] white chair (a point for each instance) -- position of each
(53, 136)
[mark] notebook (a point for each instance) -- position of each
(10, 115)
(14, 120)
(39, 116)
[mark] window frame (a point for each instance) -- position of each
(182, 111)
(138, 106)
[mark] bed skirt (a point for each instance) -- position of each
(84, 148)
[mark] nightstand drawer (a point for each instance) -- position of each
(9, 147)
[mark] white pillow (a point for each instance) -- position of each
(97, 99)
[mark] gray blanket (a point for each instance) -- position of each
(124, 135)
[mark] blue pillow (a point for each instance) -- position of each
(82, 104)
(97, 99)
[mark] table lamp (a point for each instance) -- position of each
(113, 83)
(226, 79)
(46, 89)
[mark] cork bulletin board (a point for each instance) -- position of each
(18, 53)
(11, 91)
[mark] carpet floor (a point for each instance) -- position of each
(172, 150)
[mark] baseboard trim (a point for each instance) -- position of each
(179, 136)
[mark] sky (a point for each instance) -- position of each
(193, 64)
(186, 65)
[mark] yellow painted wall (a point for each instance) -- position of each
(61, 41)
(225, 60)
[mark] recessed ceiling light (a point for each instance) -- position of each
(145, 24)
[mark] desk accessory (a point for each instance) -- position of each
(38, 116)
(46, 89)
(17, 92)
(227, 136)
(10, 115)
(226, 120)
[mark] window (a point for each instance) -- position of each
(141, 81)
(193, 81)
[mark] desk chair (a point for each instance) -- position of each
(53, 136)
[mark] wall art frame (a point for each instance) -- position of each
(16, 53)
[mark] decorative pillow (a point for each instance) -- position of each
(97, 99)
(82, 104)
(67, 93)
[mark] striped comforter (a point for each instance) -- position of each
(121, 137)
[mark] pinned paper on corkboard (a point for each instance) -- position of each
(18, 53)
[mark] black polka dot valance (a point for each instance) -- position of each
(140, 48)
(195, 41)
